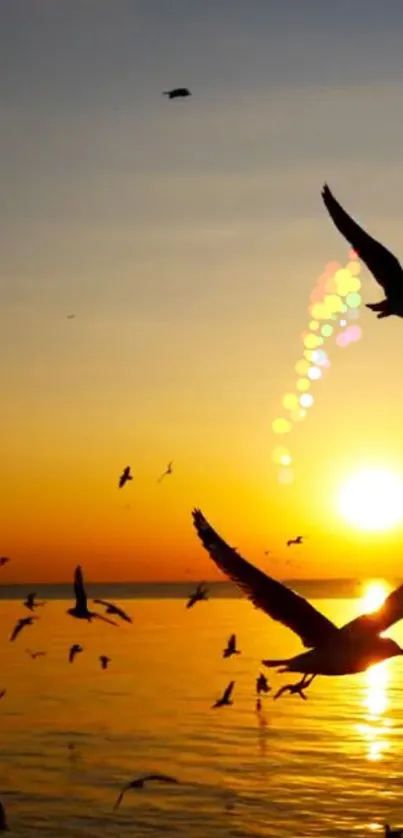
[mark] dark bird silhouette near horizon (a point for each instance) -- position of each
(382, 264)
(140, 783)
(231, 647)
(74, 650)
(80, 609)
(167, 471)
(295, 689)
(298, 540)
(225, 700)
(199, 595)
(177, 93)
(113, 609)
(20, 624)
(104, 661)
(262, 684)
(35, 655)
(4, 560)
(125, 477)
(30, 602)
(332, 651)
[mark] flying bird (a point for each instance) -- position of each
(3, 561)
(20, 624)
(295, 689)
(113, 609)
(139, 784)
(80, 610)
(35, 655)
(298, 540)
(199, 594)
(74, 650)
(2, 693)
(262, 684)
(104, 660)
(231, 648)
(124, 477)
(71, 316)
(30, 602)
(332, 651)
(177, 92)
(225, 700)
(382, 264)
(167, 471)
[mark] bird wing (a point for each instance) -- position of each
(122, 614)
(378, 259)
(162, 778)
(276, 600)
(16, 630)
(120, 798)
(228, 691)
(231, 643)
(103, 602)
(79, 590)
(101, 617)
(369, 624)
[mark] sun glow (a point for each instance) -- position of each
(372, 500)
(374, 596)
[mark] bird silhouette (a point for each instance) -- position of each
(333, 651)
(177, 92)
(167, 471)
(382, 264)
(3, 820)
(2, 693)
(74, 650)
(104, 660)
(30, 603)
(295, 689)
(113, 609)
(262, 684)
(124, 477)
(35, 655)
(80, 610)
(298, 540)
(139, 784)
(71, 316)
(199, 594)
(20, 624)
(231, 648)
(4, 560)
(225, 701)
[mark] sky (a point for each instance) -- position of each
(186, 237)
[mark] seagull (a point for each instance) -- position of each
(25, 621)
(231, 647)
(262, 684)
(383, 265)
(167, 471)
(124, 477)
(297, 540)
(3, 820)
(332, 651)
(113, 609)
(296, 689)
(199, 594)
(71, 316)
(80, 610)
(104, 660)
(225, 698)
(30, 602)
(139, 784)
(3, 560)
(177, 92)
(35, 655)
(74, 650)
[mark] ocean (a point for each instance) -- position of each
(71, 735)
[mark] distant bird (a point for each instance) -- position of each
(71, 316)
(295, 689)
(167, 471)
(177, 92)
(3, 820)
(35, 655)
(2, 693)
(104, 660)
(298, 540)
(231, 647)
(333, 651)
(3, 561)
(262, 684)
(30, 602)
(225, 701)
(258, 705)
(267, 552)
(124, 477)
(80, 610)
(20, 624)
(113, 609)
(74, 650)
(382, 264)
(199, 594)
(139, 784)
(393, 833)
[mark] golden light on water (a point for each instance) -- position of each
(375, 700)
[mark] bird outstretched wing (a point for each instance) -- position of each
(79, 590)
(101, 617)
(369, 624)
(276, 600)
(228, 691)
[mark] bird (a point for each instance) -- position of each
(226, 696)
(262, 684)
(231, 648)
(177, 92)
(35, 655)
(167, 471)
(71, 316)
(332, 650)
(3, 820)
(199, 594)
(295, 689)
(382, 264)
(139, 784)
(30, 603)
(3, 560)
(25, 621)
(393, 833)
(80, 609)
(297, 540)
(124, 477)
(113, 609)
(2, 693)
(104, 660)
(74, 650)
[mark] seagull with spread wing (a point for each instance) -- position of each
(80, 610)
(20, 624)
(167, 471)
(113, 609)
(231, 648)
(332, 651)
(295, 689)
(298, 540)
(31, 603)
(139, 784)
(124, 477)
(74, 650)
(383, 265)
(225, 700)
(198, 596)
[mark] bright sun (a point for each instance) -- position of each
(372, 499)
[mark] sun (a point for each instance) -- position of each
(374, 595)
(372, 500)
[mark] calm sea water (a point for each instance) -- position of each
(332, 765)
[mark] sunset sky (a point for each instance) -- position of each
(186, 236)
